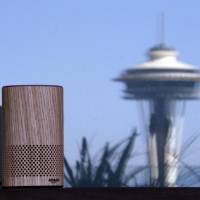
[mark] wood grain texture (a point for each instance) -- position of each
(32, 135)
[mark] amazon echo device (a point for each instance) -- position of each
(32, 135)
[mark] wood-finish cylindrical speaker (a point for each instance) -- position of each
(32, 135)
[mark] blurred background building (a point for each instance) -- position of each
(162, 83)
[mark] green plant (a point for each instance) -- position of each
(109, 171)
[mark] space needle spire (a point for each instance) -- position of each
(162, 29)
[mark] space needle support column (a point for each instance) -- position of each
(161, 125)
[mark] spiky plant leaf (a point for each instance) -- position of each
(99, 175)
(124, 159)
(70, 173)
(134, 173)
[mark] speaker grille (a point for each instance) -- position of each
(35, 160)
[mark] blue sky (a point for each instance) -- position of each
(83, 45)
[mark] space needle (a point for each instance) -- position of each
(163, 84)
